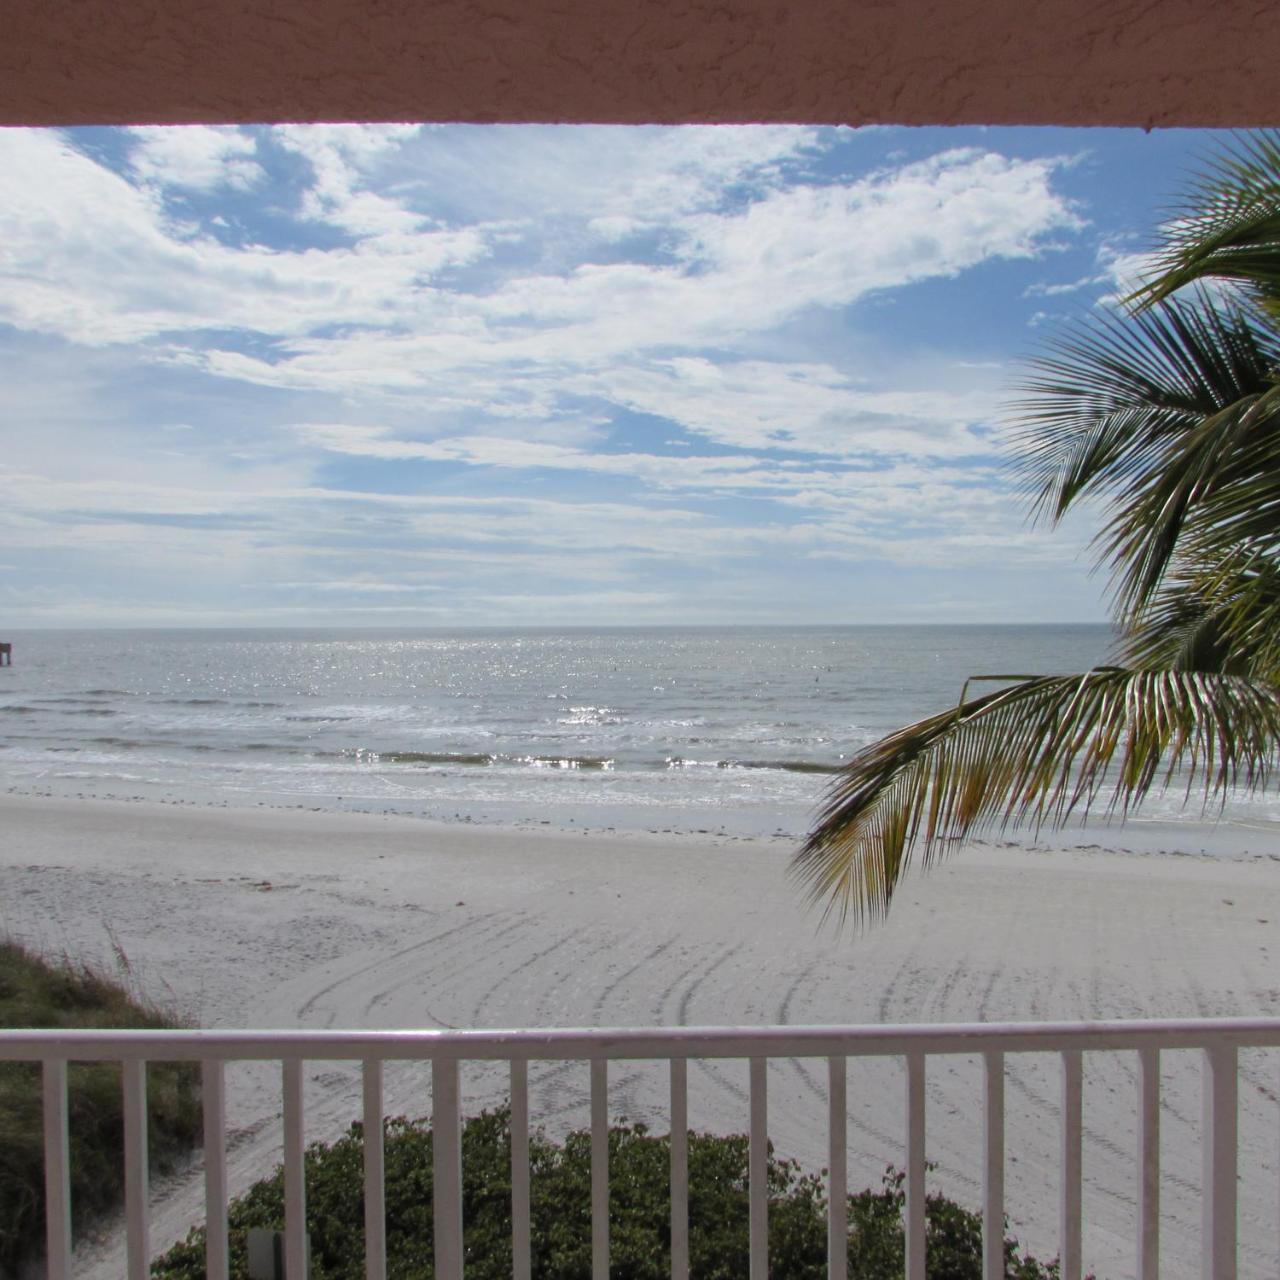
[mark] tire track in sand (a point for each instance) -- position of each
(347, 977)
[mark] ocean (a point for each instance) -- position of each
(733, 729)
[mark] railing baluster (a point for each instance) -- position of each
(1217, 1041)
(520, 1255)
(1069, 1244)
(295, 1187)
(1148, 1164)
(375, 1197)
(1219, 1190)
(915, 1236)
(837, 1171)
(758, 1170)
(213, 1104)
(599, 1169)
(679, 1169)
(446, 1128)
(993, 1167)
(134, 1083)
(57, 1171)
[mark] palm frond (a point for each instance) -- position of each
(1227, 229)
(1101, 401)
(1183, 628)
(1219, 616)
(1031, 754)
(1239, 506)
(1210, 493)
(1147, 411)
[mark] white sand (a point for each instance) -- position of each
(251, 918)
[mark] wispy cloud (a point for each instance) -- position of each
(197, 157)
(612, 362)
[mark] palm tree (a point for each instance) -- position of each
(1169, 413)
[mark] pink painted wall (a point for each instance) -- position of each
(1193, 62)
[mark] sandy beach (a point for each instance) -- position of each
(291, 918)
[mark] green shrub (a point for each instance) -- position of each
(639, 1212)
(39, 994)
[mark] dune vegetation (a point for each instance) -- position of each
(40, 992)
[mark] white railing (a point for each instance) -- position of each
(1218, 1040)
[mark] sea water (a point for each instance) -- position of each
(734, 729)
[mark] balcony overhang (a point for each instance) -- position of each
(1129, 62)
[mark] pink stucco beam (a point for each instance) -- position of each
(1134, 62)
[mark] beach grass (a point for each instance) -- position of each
(42, 992)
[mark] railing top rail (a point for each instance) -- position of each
(643, 1042)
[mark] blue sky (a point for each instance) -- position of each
(474, 375)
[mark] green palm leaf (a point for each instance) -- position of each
(1158, 413)
(1210, 492)
(1208, 616)
(1228, 228)
(1033, 753)
(1219, 615)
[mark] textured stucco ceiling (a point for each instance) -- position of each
(1136, 62)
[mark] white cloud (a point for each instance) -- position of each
(87, 256)
(1124, 270)
(483, 335)
(340, 155)
(619, 181)
(198, 157)
(92, 258)
(831, 245)
(1045, 290)
(359, 586)
(595, 328)
(810, 408)
(515, 453)
(749, 270)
